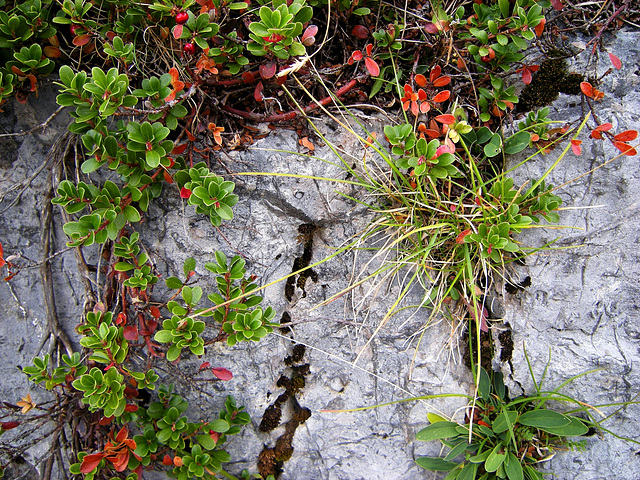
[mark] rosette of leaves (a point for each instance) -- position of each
(277, 29)
(210, 193)
(252, 326)
(6, 86)
(106, 340)
(156, 90)
(150, 139)
(30, 61)
(171, 426)
(108, 216)
(71, 368)
(121, 51)
(128, 250)
(509, 437)
(198, 29)
(492, 240)
(102, 391)
(229, 53)
(197, 463)
(497, 100)
(95, 97)
(180, 333)
(542, 203)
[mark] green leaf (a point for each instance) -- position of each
(504, 8)
(173, 353)
(219, 426)
(435, 464)
(484, 384)
(123, 267)
(437, 431)
(205, 440)
(573, 429)
(131, 214)
(513, 468)
(543, 419)
(362, 11)
(173, 282)
(516, 143)
(495, 459)
(163, 336)
(500, 424)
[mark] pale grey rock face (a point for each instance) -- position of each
(581, 307)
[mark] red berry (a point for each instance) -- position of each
(182, 17)
(189, 48)
(485, 59)
(74, 29)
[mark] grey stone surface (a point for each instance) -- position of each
(582, 305)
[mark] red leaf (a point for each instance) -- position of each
(122, 434)
(442, 96)
(557, 4)
(268, 70)
(167, 177)
(540, 27)
(605, 127)
(90, 462)
(131, 408)
(526, 76)
(9, 425)
(178, 149)
(166, 461)
(435, 73)
(360, 31)
(190, 136)
(105, 420)
(204, 365)
(155, 312)
(177, 31)
(626, 136)
(185, 193)
(625, 148)
(442, 81)
(222, 374)
(421, 80)
(52, 52)
(615, 61)
(130, 333)
(309, 36)
(575, 146)
(464, 233)
(431, 28)
(81, 40)
(248, 77)
(257, 93)
(587, 89)
(2, 261)
(121, 461)
(369, 49)
(372, 66)
(447, 119)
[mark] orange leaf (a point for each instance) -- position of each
(432, 133)
(177, 461)
(587, 89)
(615, 61)
(596, 134)
(81, 40)
(306, 143)
(626, 136)
(372, 67)
(464, 233)
(447, 119)
(625, 148)
(575, 146)
(442, 96)
(540, 27)
(122, 434)
(442, 81)
(177, 31)
(190, 136)
(167, 177)
(166, 461)
(421, 80)
(90, 462)
(435, 73)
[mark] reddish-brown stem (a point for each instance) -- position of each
(281, 117)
